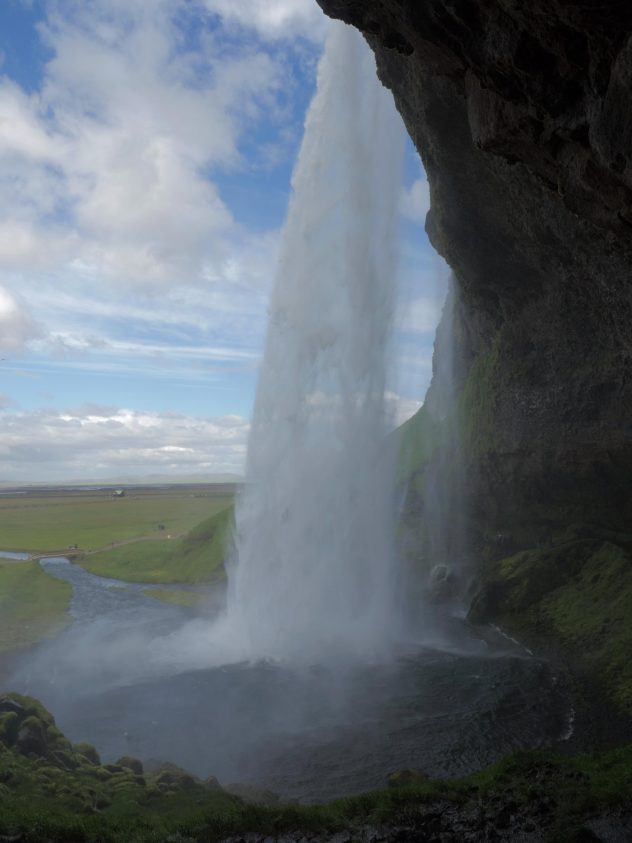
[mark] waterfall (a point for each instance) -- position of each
(444, 530)
(315, 571)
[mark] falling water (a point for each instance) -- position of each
(444, 506)
(314, 572)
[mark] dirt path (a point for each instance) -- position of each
(73, 553)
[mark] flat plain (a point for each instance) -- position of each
(56, 519)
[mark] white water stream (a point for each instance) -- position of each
(314, 570)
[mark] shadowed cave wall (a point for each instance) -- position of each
(522, 115)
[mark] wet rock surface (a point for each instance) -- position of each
(442, 822)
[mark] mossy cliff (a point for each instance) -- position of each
(577, 594)
(521, 114)
(53, 791)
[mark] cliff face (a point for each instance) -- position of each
(522, 114)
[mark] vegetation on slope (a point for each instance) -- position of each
(197, 557)
(32, 604)
(53, 791)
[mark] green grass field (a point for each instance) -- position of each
(45, 521)
(190, 547)
(196, 557)
(32, 604)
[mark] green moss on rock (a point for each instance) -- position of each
(577, 595)
(88, 751)
(477, 403)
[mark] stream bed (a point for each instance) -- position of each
(445, 706)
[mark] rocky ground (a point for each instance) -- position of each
(54, 792)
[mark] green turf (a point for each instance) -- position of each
(93, 520)
(197, 557)
(32, 604)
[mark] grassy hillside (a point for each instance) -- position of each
(40, 521)
(32, 604)
(197, 557)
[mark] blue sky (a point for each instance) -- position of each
(146, 150)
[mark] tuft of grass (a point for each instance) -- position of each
(197, 557)
(33, 604)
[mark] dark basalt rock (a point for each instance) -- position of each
(522, 114)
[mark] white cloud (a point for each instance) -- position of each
(415, 201)
(17, 327)
(106, 168)
(274, 18)
(103, 441)
(208, 322)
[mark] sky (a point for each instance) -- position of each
(146, 151)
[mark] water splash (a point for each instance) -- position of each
(314, 575)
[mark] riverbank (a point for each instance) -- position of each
(33, 605)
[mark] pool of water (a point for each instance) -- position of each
(446, 706)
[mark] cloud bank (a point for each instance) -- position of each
(93, 441)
